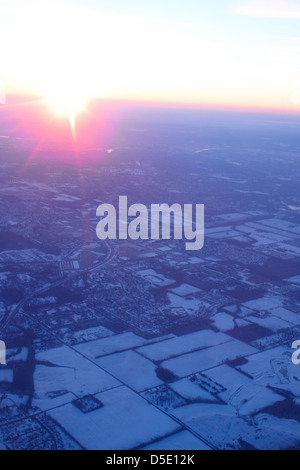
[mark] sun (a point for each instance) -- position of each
(68, 102)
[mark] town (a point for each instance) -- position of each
(182, 349)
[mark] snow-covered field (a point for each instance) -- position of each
(183, 344)
(154, 278)
(207, 358)
(132, 369)
(274, 368)
(225, 429)
(116, 343)
(179, 441)
(126, 421)
(64, 370)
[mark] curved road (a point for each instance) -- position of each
(12, 314)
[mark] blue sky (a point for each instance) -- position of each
(218, 16)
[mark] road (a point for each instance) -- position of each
(12, 314)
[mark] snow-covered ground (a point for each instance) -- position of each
(63, 369)
(132, 369)
(179, 441)
(207, 358)
(183, 344)
(124, 422)
(116, 343)
(225, 429)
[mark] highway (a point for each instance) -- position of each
(12, 314)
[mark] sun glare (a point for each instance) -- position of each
(135, 58)
(67, 103)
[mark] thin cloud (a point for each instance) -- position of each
(270, 8)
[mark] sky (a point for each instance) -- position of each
(243, 53)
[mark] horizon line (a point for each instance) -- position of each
(31, 99)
